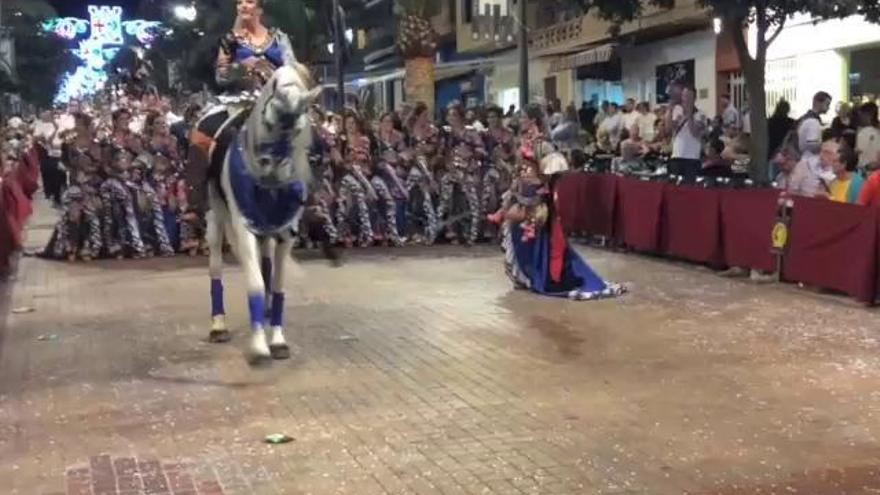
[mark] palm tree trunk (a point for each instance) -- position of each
(419, 82)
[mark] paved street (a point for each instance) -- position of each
(420, 371)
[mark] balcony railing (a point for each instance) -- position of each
(589, 29)
(557, 34)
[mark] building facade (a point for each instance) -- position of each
(841, 57)
(574, 58)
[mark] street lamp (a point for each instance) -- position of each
(185, 13)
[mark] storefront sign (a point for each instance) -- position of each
(669, 73)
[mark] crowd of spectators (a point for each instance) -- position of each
(114, 167)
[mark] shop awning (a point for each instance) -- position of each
(597, 55)
(449, 70)
(360, 80)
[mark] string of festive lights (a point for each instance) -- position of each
(107, 35)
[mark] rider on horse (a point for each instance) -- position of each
(248, 56)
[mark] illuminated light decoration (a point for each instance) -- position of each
(107, 35)
(106, 24)
(66, 27)
(144, 31)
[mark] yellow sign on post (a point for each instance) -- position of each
(780, 236)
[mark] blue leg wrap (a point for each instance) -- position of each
(217, 297)
(256, 304)
(277, 316)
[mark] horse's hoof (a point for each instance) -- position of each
(254, 359)
(219, 336)
(259, 349)
(279, 351)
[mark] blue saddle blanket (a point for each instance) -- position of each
(266, 210)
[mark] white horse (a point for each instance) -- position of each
(256, 199)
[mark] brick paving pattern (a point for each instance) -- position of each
(419, 371)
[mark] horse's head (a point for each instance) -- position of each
(278, 130)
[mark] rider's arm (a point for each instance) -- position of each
(229, 72)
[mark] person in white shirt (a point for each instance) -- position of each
(554, 111)
(730, 116)
(630, 115)
(868, 137)
(646, 121)
(47, 137)
(809, 129)
(687, 126)
(612, 126)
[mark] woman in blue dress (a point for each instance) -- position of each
(538, 257)
(248, 56)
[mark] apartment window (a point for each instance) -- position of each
(468, 10)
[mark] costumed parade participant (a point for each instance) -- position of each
(386, 179)
(498, 169)
(465, 154)
(248, 56)
(544, 262)
(351, 164)
(421, 153)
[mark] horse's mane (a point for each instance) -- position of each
(305, 75)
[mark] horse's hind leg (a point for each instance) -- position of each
(278, 345)
(216, 219)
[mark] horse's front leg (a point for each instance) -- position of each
(278, 345)
(249, 257)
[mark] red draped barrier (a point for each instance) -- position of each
(570, 204)
(691, 224)
(598, 194)
(16, 190)
(833, 245)
(747, 219)
(586, 203)
(637, 218)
